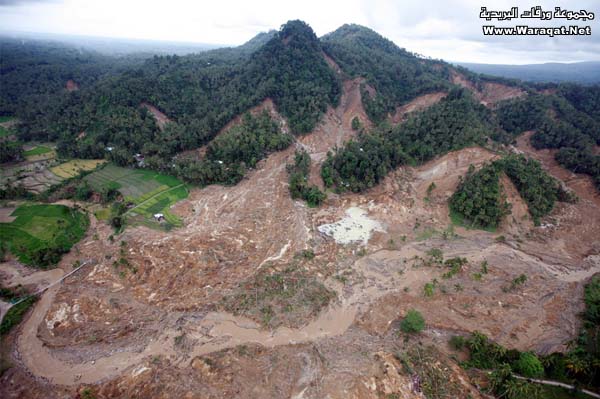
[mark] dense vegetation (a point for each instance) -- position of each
(478, 200)
(10, 151)
(457, 121)
(535, 186)
(299, 172)
(41, 234)
(585, 99)
(413, 322)
(200, 93)
(32, 72)
(568, 121)
(582, 362)
(580, 162)
(231, 153)
(15, 314)
(396, 74)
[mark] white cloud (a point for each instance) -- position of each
(434, 28)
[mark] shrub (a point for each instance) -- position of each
(413, 322)
(15, 315)
(457, 342)
(429, 289)
(529, 365)
(485, 354)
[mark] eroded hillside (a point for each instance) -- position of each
(258, 295)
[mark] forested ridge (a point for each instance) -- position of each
(457, 121)
(396, 74)
(201, 93)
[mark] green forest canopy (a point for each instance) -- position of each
(201, 93)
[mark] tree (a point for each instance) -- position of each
(505, 385)
(413, 322)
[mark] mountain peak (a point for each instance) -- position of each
(358, 34)
(296, 32)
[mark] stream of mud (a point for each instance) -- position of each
(217, 331)
(380, 273)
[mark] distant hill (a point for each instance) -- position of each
(111, 46)
(579, 72)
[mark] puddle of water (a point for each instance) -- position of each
(356, 227)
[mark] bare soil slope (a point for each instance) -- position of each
(489, 93)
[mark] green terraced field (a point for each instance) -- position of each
(39, 150)
(150, 192)
(42, 226)
(161, 202)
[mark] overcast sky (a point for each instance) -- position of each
(445, 29)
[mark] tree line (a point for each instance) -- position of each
(480, 202)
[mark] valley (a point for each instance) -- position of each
(239, 290)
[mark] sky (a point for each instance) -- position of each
(450, 30)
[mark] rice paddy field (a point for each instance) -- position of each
(148, 191)
(36, 227)
(74, 167)
(39, 152)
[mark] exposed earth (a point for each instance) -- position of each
(159, 328)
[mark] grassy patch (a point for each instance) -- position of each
(74, 167)
(39, 150)
(6, 118)
(280, 297)
(102, 214)
(40, 233)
